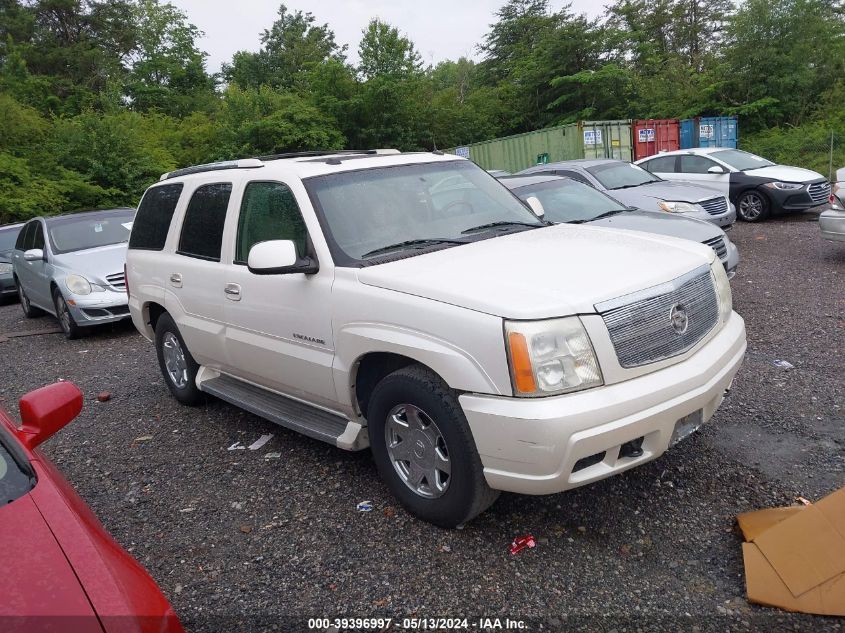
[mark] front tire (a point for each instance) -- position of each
(29, 310)
(66, 321)
(177, 365)
(752, 206)
(424, 450)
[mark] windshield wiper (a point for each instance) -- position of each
(501, 223)
(606, 214)
(412, 243)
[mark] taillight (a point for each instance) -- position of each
(126, 280)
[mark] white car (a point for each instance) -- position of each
(757, 187)
(411, 304)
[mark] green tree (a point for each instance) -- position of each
(386, 53)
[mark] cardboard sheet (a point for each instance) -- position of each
(795, 557)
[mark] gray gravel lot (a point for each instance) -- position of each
(238, 541)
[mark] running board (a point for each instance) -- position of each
(292, 414)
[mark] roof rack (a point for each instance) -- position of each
(247, 163)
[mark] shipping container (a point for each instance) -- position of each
(651, 136)
(710, 131)
(586, 139)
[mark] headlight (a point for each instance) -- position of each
(678, 207)
(785, 186)
(5, 268)
(723, 290)
(78, 285)
(550, 357)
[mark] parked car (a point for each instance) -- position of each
(72, 267)
(568, 201)
(758, 187)
(832, 221)
(63, 571)
(635, 187)
(8, 236)
(356, 298)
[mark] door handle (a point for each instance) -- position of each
(176, 280)
(232, 292)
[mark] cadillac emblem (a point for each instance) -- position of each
(679, 318)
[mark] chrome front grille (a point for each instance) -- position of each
(715, 206)
(718, 245)
(117, 280)
(820, 192)
(649, 325)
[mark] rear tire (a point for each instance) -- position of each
(177, 365)
(424, 450)
(752, 206)
(68, 324)
(29, 310)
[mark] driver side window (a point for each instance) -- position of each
(269, 212)
(695, 164)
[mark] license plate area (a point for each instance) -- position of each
(686, 426)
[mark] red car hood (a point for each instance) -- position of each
(38, 585)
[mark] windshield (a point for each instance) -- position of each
(90, 230)
(15, 482)
(413, 206)
(8, 237)
(621, 175)
(741, 160)
(566, 200)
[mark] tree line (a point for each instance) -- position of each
(99, 97)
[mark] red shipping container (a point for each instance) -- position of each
(655, 135)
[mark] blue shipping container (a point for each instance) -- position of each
(709, 131)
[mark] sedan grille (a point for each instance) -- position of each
(718, 245)
(715, 206)
(117, 280)
(663, 321)
(820, 192)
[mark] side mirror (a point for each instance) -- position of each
(34, 255)
(716, 169)
(278, 257)
(47, 410)
(535, 205)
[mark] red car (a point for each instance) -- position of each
(59, 568)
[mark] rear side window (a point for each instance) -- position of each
(149, 232)
(269, 212)
(202, 228)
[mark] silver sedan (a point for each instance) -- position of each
(72, 266)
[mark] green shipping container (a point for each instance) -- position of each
(586, 139)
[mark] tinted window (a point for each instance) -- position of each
(269, 212)
(695, 164)
(153, 218)
(25, 237)
(202, 228)
(89, 230)
(8, 237)
(664, 164)
(38, 236)
(15, 481)
(574, 175)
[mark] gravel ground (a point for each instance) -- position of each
(239, 540)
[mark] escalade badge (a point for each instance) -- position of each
(679, 319)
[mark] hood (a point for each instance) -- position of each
(37, 579)
(668, 190)
(94, 263)
(661, 223)
(786, 173)
(548, 272)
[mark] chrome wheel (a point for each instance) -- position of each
(751, 206)
(174, 360)
(418, 451)
(62, 313)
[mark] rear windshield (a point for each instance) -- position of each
(89, 230)
(8, 237)
(621, 175)
(15, 482)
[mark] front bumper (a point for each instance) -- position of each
(531, 446)
(99, 307)
(832, 225)
(722, 220)
(787, 201)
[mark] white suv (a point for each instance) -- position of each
(412, 304)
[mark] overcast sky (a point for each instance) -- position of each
(440, 29)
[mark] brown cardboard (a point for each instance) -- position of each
(795, 557)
